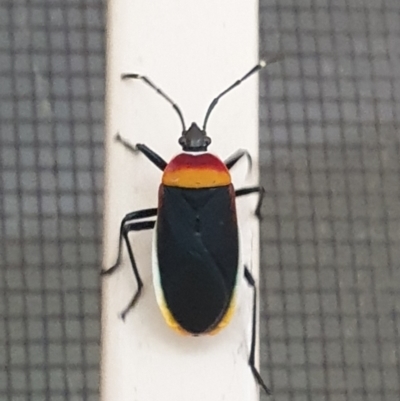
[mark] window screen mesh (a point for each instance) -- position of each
(51, 162)
(329, 133)
(329, 147)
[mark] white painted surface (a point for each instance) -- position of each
(193, 50)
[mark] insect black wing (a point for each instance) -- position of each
(197, 251)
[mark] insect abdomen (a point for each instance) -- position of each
(197, 254)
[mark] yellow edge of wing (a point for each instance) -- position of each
(171, 322)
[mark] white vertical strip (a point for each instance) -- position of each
(193, 50)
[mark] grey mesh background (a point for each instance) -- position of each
(51, 162)
(329, 121)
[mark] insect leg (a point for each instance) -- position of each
(138, 226)
(250, 280)
(139, 214)
(251, 190)
(139, 147)
(235, 157)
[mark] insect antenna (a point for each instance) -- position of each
(255, 69)
(160, 92)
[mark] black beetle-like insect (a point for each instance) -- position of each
(195, 257)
